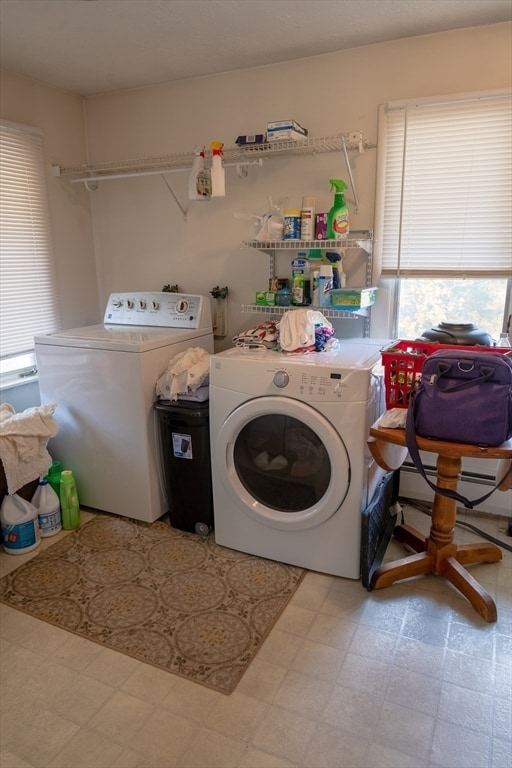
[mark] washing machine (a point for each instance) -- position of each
(291, 468)
(102, 378)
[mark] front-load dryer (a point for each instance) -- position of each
(290, 465)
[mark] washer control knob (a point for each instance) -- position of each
(117, 303)
(129, 304)
(182, 306)
(281, 379)
(155, 305)
(142, 304)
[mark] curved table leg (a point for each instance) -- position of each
(478, 553)
(481, 600)
(414, 565)
(410, 536)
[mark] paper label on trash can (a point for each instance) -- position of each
(181, 446)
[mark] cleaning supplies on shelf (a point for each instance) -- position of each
(199, 181)
(70, 506)
(325, 285)
(337, 220)
(338, 276)
(291, 229)
(218, 174)
(19, 524)
(301, 285)
(47, 503)
(307, 218)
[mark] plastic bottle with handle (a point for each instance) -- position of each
(47, 503)
(69, 505)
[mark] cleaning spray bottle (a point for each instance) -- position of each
(199, 181)
(338, 276)
(218, 172)
(337, 220)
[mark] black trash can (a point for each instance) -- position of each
(185, 459)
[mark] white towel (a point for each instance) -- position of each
(297, 328)
(23, 440)
(186, 372)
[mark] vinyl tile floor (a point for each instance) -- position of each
(404, 677)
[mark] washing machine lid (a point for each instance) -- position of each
(122, 338)
(341, 374)
(344, 353)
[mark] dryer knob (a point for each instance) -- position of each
(281, 379)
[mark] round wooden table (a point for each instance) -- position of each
(437, 553)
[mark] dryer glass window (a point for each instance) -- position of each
(282, 463)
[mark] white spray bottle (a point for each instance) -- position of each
(199, 181)
(218, 172)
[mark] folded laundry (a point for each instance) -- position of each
(263, 335)
(297, 330)
(186, 372)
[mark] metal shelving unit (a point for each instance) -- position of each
(359, 239)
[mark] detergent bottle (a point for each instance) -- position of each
(337, 220)
(53, 476)
(19, 524)
(69, 504)
(47, 503)
(218, 173)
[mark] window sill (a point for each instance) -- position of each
(12, 382)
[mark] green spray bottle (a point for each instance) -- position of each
(337, 220)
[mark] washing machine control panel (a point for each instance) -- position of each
(309, 384)
(158, 309)
(281, 379)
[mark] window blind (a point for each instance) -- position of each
(445, 188)
(28, 299)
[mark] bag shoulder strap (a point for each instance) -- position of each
(412, 447)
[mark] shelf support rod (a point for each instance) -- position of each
(349, 169)
(182, 209)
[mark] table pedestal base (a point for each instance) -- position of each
(448, 561)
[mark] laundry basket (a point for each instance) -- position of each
(403, 365)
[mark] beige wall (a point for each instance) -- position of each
(60, 116)
(141, 241)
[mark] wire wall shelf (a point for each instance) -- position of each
(242, 155)
(327, 312)
(358, 239)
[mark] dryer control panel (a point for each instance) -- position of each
(159, 310)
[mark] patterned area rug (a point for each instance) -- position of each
(172, 599)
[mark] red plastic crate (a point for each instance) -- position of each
(403, 365)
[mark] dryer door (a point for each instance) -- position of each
(284, 461)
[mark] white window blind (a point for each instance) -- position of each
(445, 188)
(28, 299)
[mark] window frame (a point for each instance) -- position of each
(30, 303)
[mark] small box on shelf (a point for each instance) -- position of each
(352, 299)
